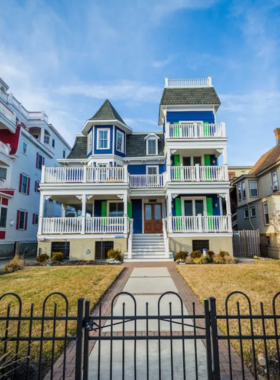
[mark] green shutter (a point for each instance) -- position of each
(178, 212)
(207, 162)
(206, 129)
(103, 212)
(209, 205)
(176, 130)
(129, 210)
(177, 162)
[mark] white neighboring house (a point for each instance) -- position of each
(27, 141)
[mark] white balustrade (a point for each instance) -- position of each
(62, 225)
(149, 180)
(188, 82)
(197, 173)
(201, 223)
(196, 130)
(7, 113)
(64, 174)
(165, 237)
(106, 174)
(130, 238)
(105, 225)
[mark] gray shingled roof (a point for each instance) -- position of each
(136, 145)
(107, 112)
(79, 149)
(189, 95)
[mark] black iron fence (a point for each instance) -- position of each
(139, 340)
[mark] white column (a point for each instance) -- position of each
(85, 173)
(42, 135)
(197, 176)
(43, 174)
(168, 165)
(167, 130)
(125, 213)
(169, 212)
(63, 210)
(41, 213)
(228, 211)
(84, 204)
(125, 173)
(225, 163)
(199, 222)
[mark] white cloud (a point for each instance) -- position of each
(165, 62)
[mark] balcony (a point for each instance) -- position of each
(79, 225)
(146, 181)
(7, 118)
(4, 148)
(198, 173)
(84, 175)
(195, 131)
(199, 223)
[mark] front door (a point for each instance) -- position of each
(152, 218)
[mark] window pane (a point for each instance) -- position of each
(151, 146)
(152, 170)
(3, 217)
(244, 189)
(119, 142)
(157, 212)
(253, 189)
(198, 207)
(197, 160)
(186, 161)
(274, 179)
(24, 184)
(116, 209)
(3, 173)
(148, 212)
(188, 208)
(21, 220)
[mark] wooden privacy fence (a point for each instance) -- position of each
(246, 243)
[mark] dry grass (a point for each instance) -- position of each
(35, 284)
(260, 281)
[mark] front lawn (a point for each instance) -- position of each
(33, 285)
(260, 281)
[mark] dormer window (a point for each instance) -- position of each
(120, 141)
(103, 139)
(152, 144)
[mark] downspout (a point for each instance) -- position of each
(250, 216)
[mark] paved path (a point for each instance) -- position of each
(147, 285)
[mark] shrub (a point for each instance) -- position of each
(229, 260)
(189, 260)
(196, 254)
(223, 254)
(196, 260)
(211, 254)
(115, 254)
(42, 258)
(181, 255)
(15, 264)
(57, 256)
(202, 260)
(219, 260)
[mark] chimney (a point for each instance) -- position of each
(277, 135)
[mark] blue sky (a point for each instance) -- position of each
(67, 56)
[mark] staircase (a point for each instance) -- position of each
(148, 247)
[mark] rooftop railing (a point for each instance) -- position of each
(190, 82)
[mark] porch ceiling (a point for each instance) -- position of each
(197, 152)
(72, 199)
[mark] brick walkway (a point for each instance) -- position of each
(189, 300)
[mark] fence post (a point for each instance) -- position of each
(79, 341)
(245, 244)
(215, 343)
(208, 337)
(86, 340)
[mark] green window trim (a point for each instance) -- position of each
(178, 212)
(103, 212)
(129, 210)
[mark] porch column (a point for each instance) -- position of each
(84, 204)
(63, 210)
(41, 213)
(125, 212)
(225, 163)
(168, 165)
(228, 211)
(169, 212)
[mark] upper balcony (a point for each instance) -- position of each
(196, 130)
(7, 118)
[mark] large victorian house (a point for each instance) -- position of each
(149, 194)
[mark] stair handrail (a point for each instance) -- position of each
(130, 238)
(165, 237)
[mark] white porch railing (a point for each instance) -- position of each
(198, 173)
(149, 180)
(130, 238)
(84, 174)
(108, 174)
(165, 237)
(62, 225)
(190, 82)
(4, 148)
(195, 130)
(105, 225)
(7, 113)
(201, 223)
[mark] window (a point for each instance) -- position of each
(40, 161)
(193, 207)
(246, 213)
(64, 154)
(24, 147)
(3, 217)
(102, 248)
(46, 139)
(151, 146)
(239, 192)
(22, 220)
(3, 173)
(253, 188)
(103, 139)
(35, 219)
(253, 212)
(152, 170)
(53, 143)
(274, 179)
(89, 142)
(115, 209)
(63, 247)
(267, 241)
(24, 184)
(265, 214)
(36, 187)
(120, 141)
(244, 190)
(231, 176)
(198, 245)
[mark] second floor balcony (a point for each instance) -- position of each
(196, 130)
(198, 173)
(7, 118)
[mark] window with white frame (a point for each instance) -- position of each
(116, 209)
(22, 220)
(246, 213)
(24, 184)
(253, 212)
(265, 213)
(253, 188)
(151, 146)
(193, 207)
(89, 142)
(3, 174)
(120, 141)
(24, 147)
(244, 190)
(152, 170)
(274, 179)
(3, 216)
(239, 192)
(103, 139)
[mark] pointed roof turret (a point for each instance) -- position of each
(107, 112)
